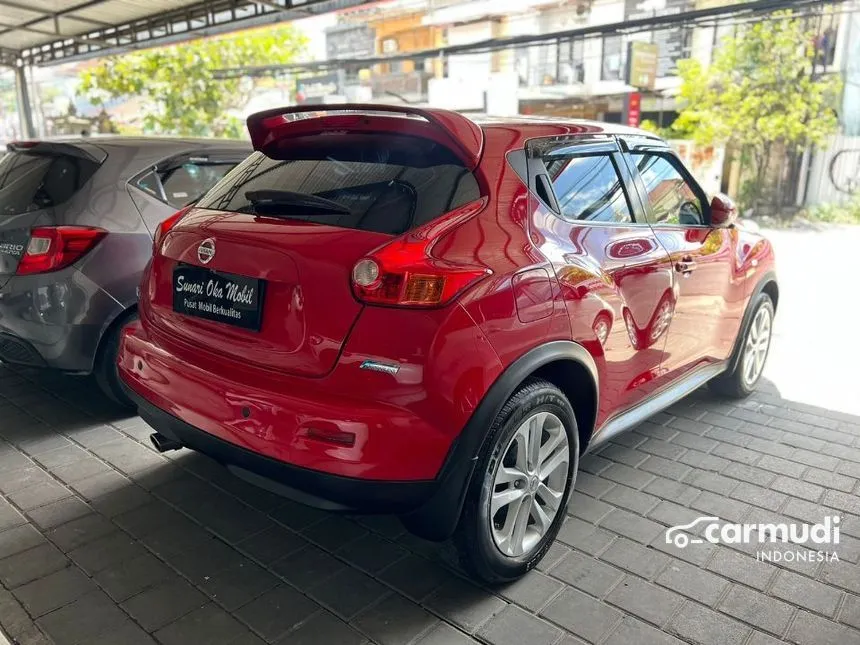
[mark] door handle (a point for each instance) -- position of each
(685, 265)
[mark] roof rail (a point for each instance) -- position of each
(460, 133)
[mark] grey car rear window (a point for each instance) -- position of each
(34, 179)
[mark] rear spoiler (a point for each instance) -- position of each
(82, 150)
(454, 130)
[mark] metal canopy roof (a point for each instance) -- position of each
(45, 31)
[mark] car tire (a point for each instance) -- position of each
(106, 371)
(493, 545)
(755, 345)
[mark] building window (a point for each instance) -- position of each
(611, 68)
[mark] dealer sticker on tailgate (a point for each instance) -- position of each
(223, 297)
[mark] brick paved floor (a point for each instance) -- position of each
(103, 541)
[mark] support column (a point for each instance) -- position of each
(25, 110)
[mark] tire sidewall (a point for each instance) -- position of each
(763, 300)
(546, 399)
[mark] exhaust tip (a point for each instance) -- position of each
(162, 443)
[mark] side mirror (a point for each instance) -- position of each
(724, 213)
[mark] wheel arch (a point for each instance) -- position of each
(566, 364)
(767, 284)
(117, 321)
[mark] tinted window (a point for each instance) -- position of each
(673, 200)
(588, 188)
(382, 183)
(34, 179)
(190, 181)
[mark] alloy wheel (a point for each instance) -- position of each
(756, 347)
(529, 484)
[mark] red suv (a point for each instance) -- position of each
(400, 310)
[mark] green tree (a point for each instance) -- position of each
(761, 95)
(177, 84)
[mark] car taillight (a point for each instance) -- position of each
(405, 273)
(165, 225)
(55, 247)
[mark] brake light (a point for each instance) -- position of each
(55, 247)
(165, 225)
(405, 273)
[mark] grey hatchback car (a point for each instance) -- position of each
(77, 218)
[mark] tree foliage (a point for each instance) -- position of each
(176, 83)
(761, 94)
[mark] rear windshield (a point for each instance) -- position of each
(34, 179)
(382, 183)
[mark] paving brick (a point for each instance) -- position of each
(697, 554)
(210, 624)
(842, 501)
(693, 582)
(850, 613)
(672, 490)
(594, 464)
(757, 609)
(83, 620)
(582, 615)
(238, 584)
(532, 591)
(111, 494)
(277, 611)
(38, 495)
(309, 566)
(749, 474)
(464, 604)
(636, 558)
(654, 428)
(758, 496)
(415, 577)
(809, 629)
(664, 468)
(348, 592)
(513, 626)
(703, 626)
(162, 604)
(272, 544)
(635, 631)
(622, 474)
(815, 459)
(371, 552)
(728, 438)
(78, 532)
(689, 425)
(394, 621)
(645, 600)
(129, 577)
(694, 442)
(623, 455)
(630, 499)
(711, 481)
(661, 448)
(80, 469)
(742, 568)
(59, 512)
(673, 514)
(106, 551)
(781, 466)
(442, 634)
(583, 536)
(324, 627)
(722, 507)
(842, 574)
(23, 478)
(587, 574)
(29, 565)
(830, 480)
(592, 484)
(588, 508)
(53, 591)
(704, 461)
(633, 526)
(19, 538)
(9, 516)
(334, 532)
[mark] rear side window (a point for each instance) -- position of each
(372, 182)
(35, 179)
(588, 188)
(182, 184)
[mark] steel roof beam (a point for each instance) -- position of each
(50, 14)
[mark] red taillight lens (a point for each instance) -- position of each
(405, 273)
(165, 225)
(55, 247)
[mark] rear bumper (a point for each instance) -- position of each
(314, 488)
(53, 320)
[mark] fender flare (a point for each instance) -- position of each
(735, 356)
(437, 518)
